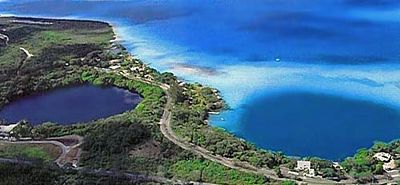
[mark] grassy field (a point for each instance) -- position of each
(208, 171)
(45, 152)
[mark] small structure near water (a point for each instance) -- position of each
(389, 165)
(305, 167)
(6, 131)
(382, 156)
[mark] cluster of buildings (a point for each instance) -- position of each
(138, 69)
(389, 163)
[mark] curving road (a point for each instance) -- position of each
(64, 149)
(61, 160)
(28, 56)
(166, 129)
(5, 38)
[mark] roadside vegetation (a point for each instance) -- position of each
(206, 171)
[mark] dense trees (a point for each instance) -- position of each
(42, 173)
(27, 174)
(190, 124)
(23, 129)
(107, 145)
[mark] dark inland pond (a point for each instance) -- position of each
(309, 124)
(71, 105)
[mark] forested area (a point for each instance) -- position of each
(189, 121)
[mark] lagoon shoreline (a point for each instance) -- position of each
(119, 38)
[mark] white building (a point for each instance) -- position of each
(303, 165)
(311, 173)
(7, 128)
(115, 67)
(391, 165)
(382, 156)
(337, 166)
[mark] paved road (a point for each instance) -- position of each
(165, 127)
(5, 38)
(28, 56)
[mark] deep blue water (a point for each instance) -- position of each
(71, 105)
(317, 124)
(345, 48)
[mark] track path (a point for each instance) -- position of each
(61, 160)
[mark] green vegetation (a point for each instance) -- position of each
(60, 54)
(23, 129)
(207, 171)
(189, 122)
(363, 166)
(25, 152)
(70, 53)
(107, 146)
(325, 169)
(43, 173)
(25, 174)
(288, 183)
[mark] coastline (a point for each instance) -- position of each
(114, 28)
(117, 40)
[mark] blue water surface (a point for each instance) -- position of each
(71, 105)
(254, 50)
(311, 124)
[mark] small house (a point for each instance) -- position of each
(303, 165)
(382, 156)
(115, 67)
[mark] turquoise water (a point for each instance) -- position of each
(341, 48)
(71, 105)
